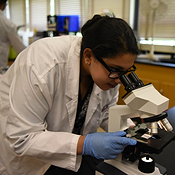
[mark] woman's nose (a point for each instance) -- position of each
(117, 81)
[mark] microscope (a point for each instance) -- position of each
(152, 131)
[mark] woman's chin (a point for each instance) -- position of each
(105, 88)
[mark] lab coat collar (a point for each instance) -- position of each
(73, 71)
(72, 88)
(95, 99)
(96, 90)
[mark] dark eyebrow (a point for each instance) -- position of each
(117, 67)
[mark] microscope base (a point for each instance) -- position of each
(113, 167)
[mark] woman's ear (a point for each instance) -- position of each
(87, 55)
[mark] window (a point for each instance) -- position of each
(164, 24)
(38, 14)
(17, 12)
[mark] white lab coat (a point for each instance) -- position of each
(8, 37)
(38, 103)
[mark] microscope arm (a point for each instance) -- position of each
(118, 116)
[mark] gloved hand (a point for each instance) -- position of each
(106, 145)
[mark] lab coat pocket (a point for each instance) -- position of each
(106, 107)
(2, 168)
(102, 113)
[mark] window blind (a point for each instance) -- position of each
(17, 12)
(70, 7)
(38, 14)
(57, 7)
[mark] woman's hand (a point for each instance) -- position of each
(105, 145)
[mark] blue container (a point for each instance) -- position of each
(73, 21)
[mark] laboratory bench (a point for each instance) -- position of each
(160, 74)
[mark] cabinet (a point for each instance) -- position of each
(162, 78)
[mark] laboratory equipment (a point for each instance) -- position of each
(153, 132)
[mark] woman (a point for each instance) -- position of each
(56, 95)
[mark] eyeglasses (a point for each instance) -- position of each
(114, 74)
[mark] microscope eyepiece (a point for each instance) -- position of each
(128, 84)
(135, 79)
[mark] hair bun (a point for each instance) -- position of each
(90, 23)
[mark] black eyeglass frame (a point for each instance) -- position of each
(110, 71)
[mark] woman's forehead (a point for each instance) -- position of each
(121, 61)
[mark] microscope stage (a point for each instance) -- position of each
(156, 143)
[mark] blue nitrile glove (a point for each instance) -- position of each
(106, 145)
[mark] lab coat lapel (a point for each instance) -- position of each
(72, 110)
(72, 81)
(93, 103)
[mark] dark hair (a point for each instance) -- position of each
(3, 2)
(108, 36)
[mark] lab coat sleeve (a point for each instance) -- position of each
(15, 40)
(30, 101)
